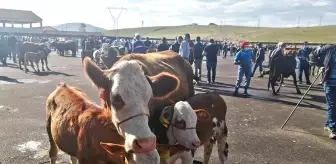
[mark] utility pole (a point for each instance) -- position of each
(116, 18)
(299, 22)
(221, 26)
(321, 20)
(142, 23)
(259, 23)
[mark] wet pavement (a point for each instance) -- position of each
(253, 123)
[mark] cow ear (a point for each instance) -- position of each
(202, 115)
(163, 85)
(96, 75)
(114, 149)
(166, 115)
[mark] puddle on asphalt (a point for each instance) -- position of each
(8, 109)
(25, 81)
(29, 146)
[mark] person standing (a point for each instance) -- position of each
(147, 44)
(163, 46)
(210, 51)
(243, 58)
(198, 50)
(191, 53)
(176, 46)
(138, 46)
(185, 48)
(329, 81)
(259, 60)
(303, 56)
(225, 49)
(12, 46)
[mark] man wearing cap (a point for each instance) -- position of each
(185, 48)
(138, 46)
(176, 46)
(303, 56)
(260, 59)
(163, 46)
(243, 58)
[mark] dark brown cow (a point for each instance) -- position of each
(137, 85)
(77, 126)
(25, 47)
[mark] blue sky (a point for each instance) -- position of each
(272, 13)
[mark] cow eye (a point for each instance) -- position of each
(117, 101)
(180, 124)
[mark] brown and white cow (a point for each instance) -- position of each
(77, 126)
(211, 130)
(215, 129)
(137, 85)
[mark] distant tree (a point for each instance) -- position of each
(212, 24)
(82, 27)
(194, 24)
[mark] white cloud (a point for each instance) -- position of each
(273, 13)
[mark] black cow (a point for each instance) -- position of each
(62, 46)
(282, 66)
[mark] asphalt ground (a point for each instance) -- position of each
(253, 123)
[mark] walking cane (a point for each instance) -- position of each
(290, 115)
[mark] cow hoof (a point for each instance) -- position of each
(42, 70)
(275, 94)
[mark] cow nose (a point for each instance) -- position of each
(144, 145)
(196, 144)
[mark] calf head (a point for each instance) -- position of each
(181, 121)
(129, 92)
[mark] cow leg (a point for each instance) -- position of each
(37, 65)
(73, 53)
(223, 149)
(20, 61)
(32, 65)
(295, 83)
(272, 82)
(207, 151)
(46, 63)
(281, 81)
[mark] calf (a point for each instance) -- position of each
(214, 129)
(33, 57)
(76, 126)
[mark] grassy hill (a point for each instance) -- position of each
(322, 34)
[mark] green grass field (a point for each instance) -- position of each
(322, 34)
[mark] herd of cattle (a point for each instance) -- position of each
(149, 113)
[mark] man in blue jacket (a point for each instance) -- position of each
(303, 56)
(244, 59)
(138, 46)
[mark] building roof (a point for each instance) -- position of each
(18, 16)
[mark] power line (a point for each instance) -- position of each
(116, 18)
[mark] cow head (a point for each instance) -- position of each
(129, 92)
(118, 153)
(181, 120)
